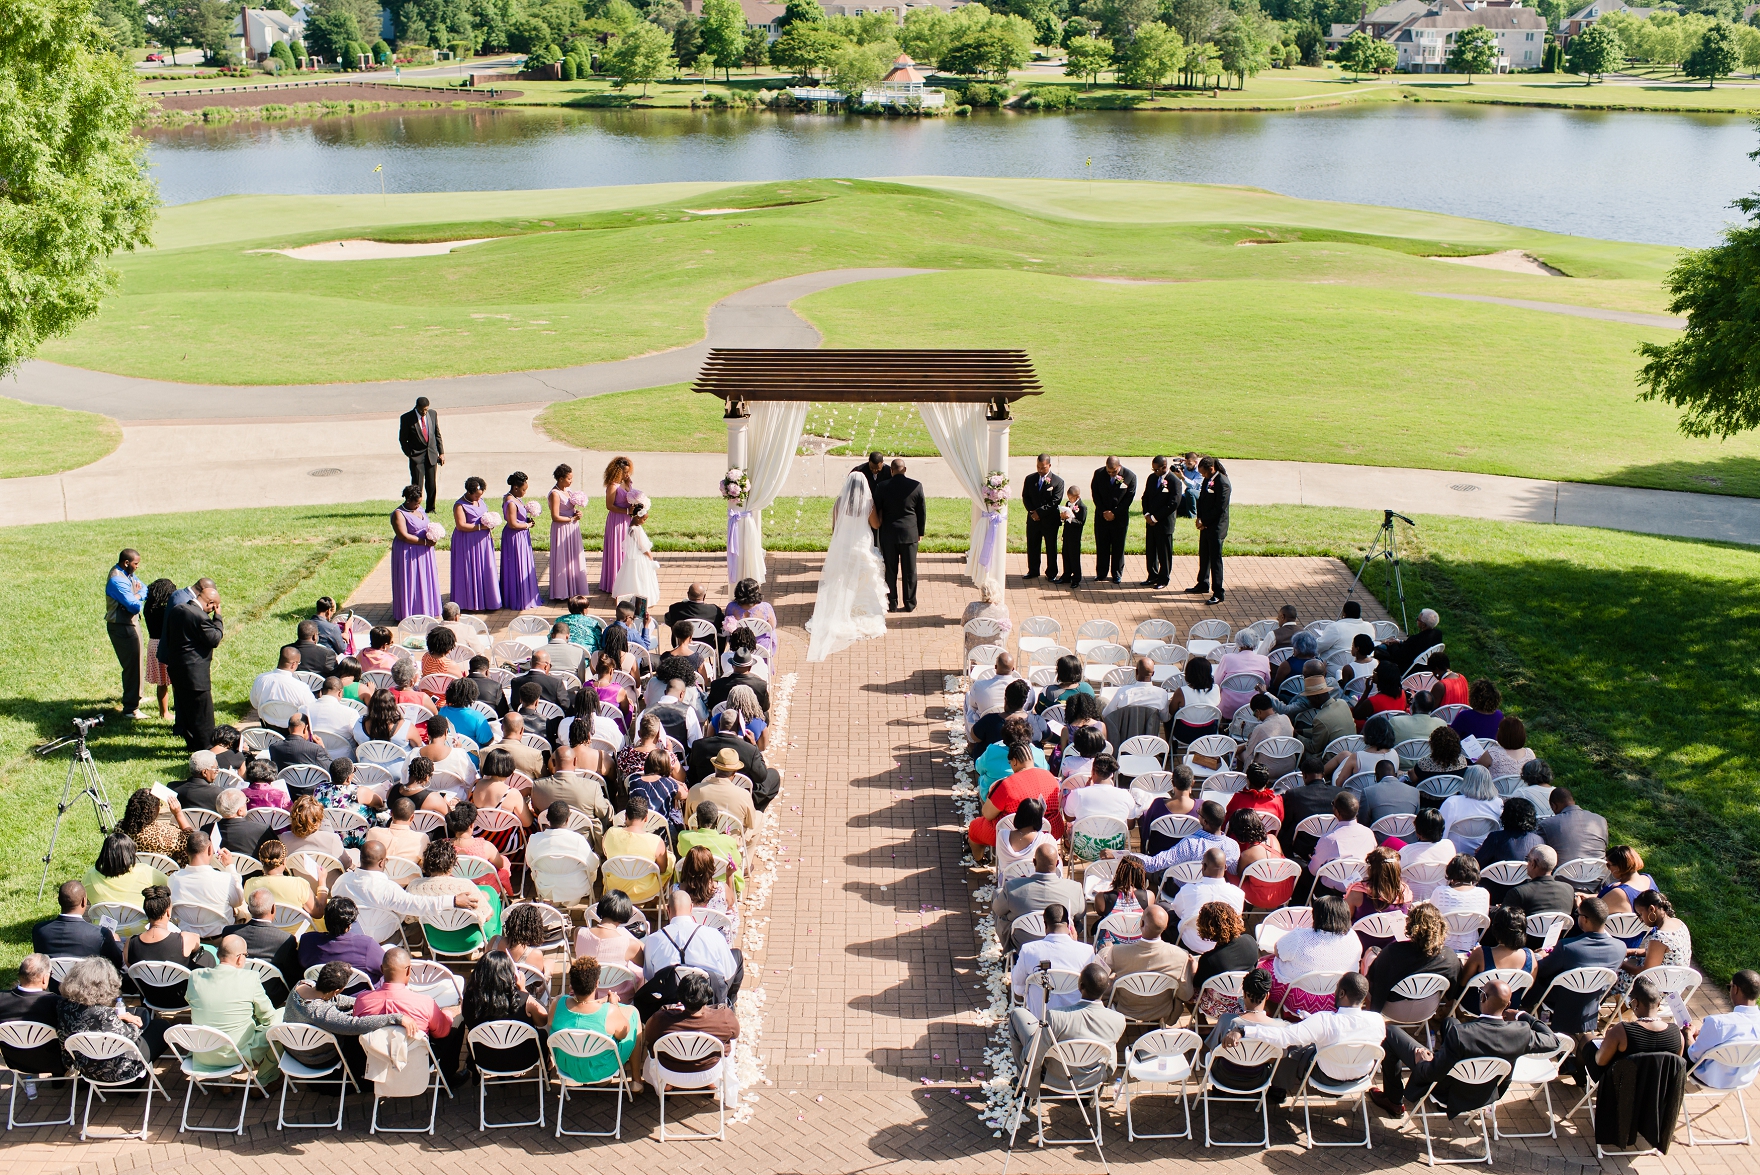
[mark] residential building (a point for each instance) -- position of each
(257, 30)
(1577, 21)
(759, 15)
(1423, 31)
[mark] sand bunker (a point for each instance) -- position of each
(1509, 261)
(714, 211)
(364, 250)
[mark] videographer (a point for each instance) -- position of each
(193, 630)
(124, 594)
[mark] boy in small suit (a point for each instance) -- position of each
(1074, 513)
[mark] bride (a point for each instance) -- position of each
(851, 604)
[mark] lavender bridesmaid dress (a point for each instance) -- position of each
(519, 572)
(475, 585)
(568, 562)
(415, 586)
(611, 554)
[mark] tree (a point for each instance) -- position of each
(1077, 26)
(1202, 60)
(640, 55)
(1475, 51)
(723, 29)
(331, 33)
(1717, 55)
(806, 47)
(1312, 42)
(281, 53)
(1153, 56)
(756, 50)
(856, 67)
(1363, 54)
(75, 188)
(1087, 57)
(1120, 19)
(1196, 20)
(994, 50)
(805, 11)
(1594, 51)
(1242, 46)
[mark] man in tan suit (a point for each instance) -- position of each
(1149, 953)
(727, 795)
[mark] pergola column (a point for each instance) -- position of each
(996, 459)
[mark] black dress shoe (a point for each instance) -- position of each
(909, 608)
(1031, 575)
(1073, 584)
(1148, 583)
(1214, 600)
(892, 607)
(1196, 591)
(1115, 579)
(1386, 1104)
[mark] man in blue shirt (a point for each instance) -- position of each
(1188, 472)
(1212, 816)
(642, 633)
(124, 594)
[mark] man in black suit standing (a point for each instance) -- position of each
(1161, 497)
(193, 630)
(1499, 1031)
(1041, 496)
(1212, 529)
(1112, 491)
(418, 435)
(904, 519)
(70, 934)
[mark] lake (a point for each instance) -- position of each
(1665, 178)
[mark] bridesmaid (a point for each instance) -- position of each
(568, 561)
(415, 586)
(475, 587)
(620, 487)
(519, 572)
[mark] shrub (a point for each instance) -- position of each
(460, 50)
(381, 52)
(1050, 98)
(571, 69)
(985, 93)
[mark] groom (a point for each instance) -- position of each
(903, 519)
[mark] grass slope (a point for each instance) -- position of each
(1614, 648)
(42, 440)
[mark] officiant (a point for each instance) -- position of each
(876, 473)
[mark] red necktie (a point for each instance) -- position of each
(422, 424)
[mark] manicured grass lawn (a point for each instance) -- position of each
(41, 440)
(1616, 650)
(1568, 90)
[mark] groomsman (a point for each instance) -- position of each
(1074, 516)
(1113, 489)
(1041, 496)
(1161, 497)
(418, 435)
(1212, 529)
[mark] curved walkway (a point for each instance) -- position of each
(1629, 317)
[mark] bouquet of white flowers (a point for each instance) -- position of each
(995, 490)
(638, 507)
(735, 485)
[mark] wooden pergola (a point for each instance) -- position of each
(992, 378)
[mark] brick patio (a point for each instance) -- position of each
(867, 964)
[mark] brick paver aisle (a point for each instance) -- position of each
(866, 969)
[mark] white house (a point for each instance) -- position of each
(903, 86)
(1581, 19)
(758, 14)
(257, 30)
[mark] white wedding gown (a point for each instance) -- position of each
(851, 603)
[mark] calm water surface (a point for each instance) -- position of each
(1667, 178)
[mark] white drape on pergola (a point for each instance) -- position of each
(773, 437)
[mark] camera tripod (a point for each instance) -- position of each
(1386, 546)
(91, 787)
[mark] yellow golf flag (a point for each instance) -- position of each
(379, 168)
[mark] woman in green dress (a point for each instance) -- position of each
(438, 861)
(583, 1008)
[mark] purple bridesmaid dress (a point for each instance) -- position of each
(519, 571)
(568, 563)
(475, 584)
(611, 555)
(415, 585)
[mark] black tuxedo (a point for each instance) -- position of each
(1042, 495)
(1213, 518)
(294, 752)
(904, 518)
(1115, 493)
(1457, 1042)
(37, 1007)
(186, 649)
(692, 610)
(765, 781)
(265, 940)
(67, 935)
(554, 691)
(724, 685)
(424, 454)
(489, 690)
(875, 481)
(1072, 545)
(314, 657)
(1161, 497)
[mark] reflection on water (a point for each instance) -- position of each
(1666, 178)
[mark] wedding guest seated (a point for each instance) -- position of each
(1346, 1022)
(203, 882)
(1141, 695)
(1417, 724)
(314, 655)
(441, 641)
(987, 692)
(1518, 835)
(1081, 712)
(1651, 1031)
(1283, 636)
(1329, 945)
(1626, 879)
(494, 791)
(70, 934)
(200, 790)
(583, 1008)
(721, 789)
(1257, 796)
(1666, 941)
(1045, 885)
(577, 783)
(550, 687)
(1424, 951)
(440, 879)
(234, 832)
(1739, 1025)
(1461, 894)
(766, 780)
(321, 1003)
(461, 831)
(279, 685)
(1451, 688)
(699, 655)
(488, 689)
(583, 629)
(454, 770)
(1509, 753)
(1343, 633)
(1150, 954)
(329, 632)
(1378, 744)
(1026, 836)
(1389, 795)
(1243, 658)
(1177, 802)
(755, 727)
(609, 941)
(1062, 948)
(328, 715)
(119, 875)
(305, 832)
(1542, 893)
(629, 840)
(1497, 1032)
(1574, 832)
(1445, 756)
(1381, 889)
(1266, 723)
(1200, 689)
(1503, 948)
(394, 997)
(747, 644)
(1313, 798)
(643, 633)
(676, 702)
(1247, 830)
(1536, 786)
(383, 653)
(1212, 886)
(1211, 817)
(452, 619)
(990, 605)
(987, 731)
(300, 746)
(679, 944)
(1069, 682)
(230, 998)
(1484, 713)
(696, 606)
(1321, 714)
(742, 665)
(1025, 779)
(528, 761)
(1235, 950)
(286, 888)
(459, 715)
(748, 601)
(1387, 696)
(1128, 892)
(160, 941)
(1427, 845)
(565, 656)
(695, 1011)
(1303, 652)
(31, 1002)
(91, 1001)
(1348, 838)
(403, 675)
(1478, 799)
(341, 941)
(1085, 742)
(1402, 653)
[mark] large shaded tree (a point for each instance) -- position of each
(73, 182)
(1594, 51)
(1474, 51)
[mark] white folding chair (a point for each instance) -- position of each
(1091, 835)
(203, 817)
(436, 1082)
(1049, 655)
(21, 1039)
(1507, 873)
(1409, 751)
(344, 821)
(1208, 630)
(1344, 743)
(130, 920)
(1737, 1055)
(502, 1036)
(1223, 985)
(1424, 878)
(1376, 929)
(1279, 755)
(451, 919)
(1315, 1081)
(185, 1041)
(1151, 634)
(1146, 985)
(982, 657)
(381, 754)
(1094, 633)
(511, 652)
(1317, 825)
(1508, 785)
(1101, 658)
(1342, 871)
(1037, 632)
(1164, 1057)
(258, 738)
(1675, 981)
(1548, 926)
(1313, 983)
(1595, 981)
(1286, 783)
(1519, 982)
(1176, 827)
(1274, 870)
(582, 1044)
(1400, 824)
(1227, 782)
(426, 822)
(1486, 1072)
(93, 1047)
(1168, 659)
(1083, 1070)
(1442, 786)
(1584, 873)
(1534, 1071)
(379, 679)
(163, 987)
(1279, 922)
(1423, 994)
(1247, 1054)
(629, 874)
(689, 1048)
